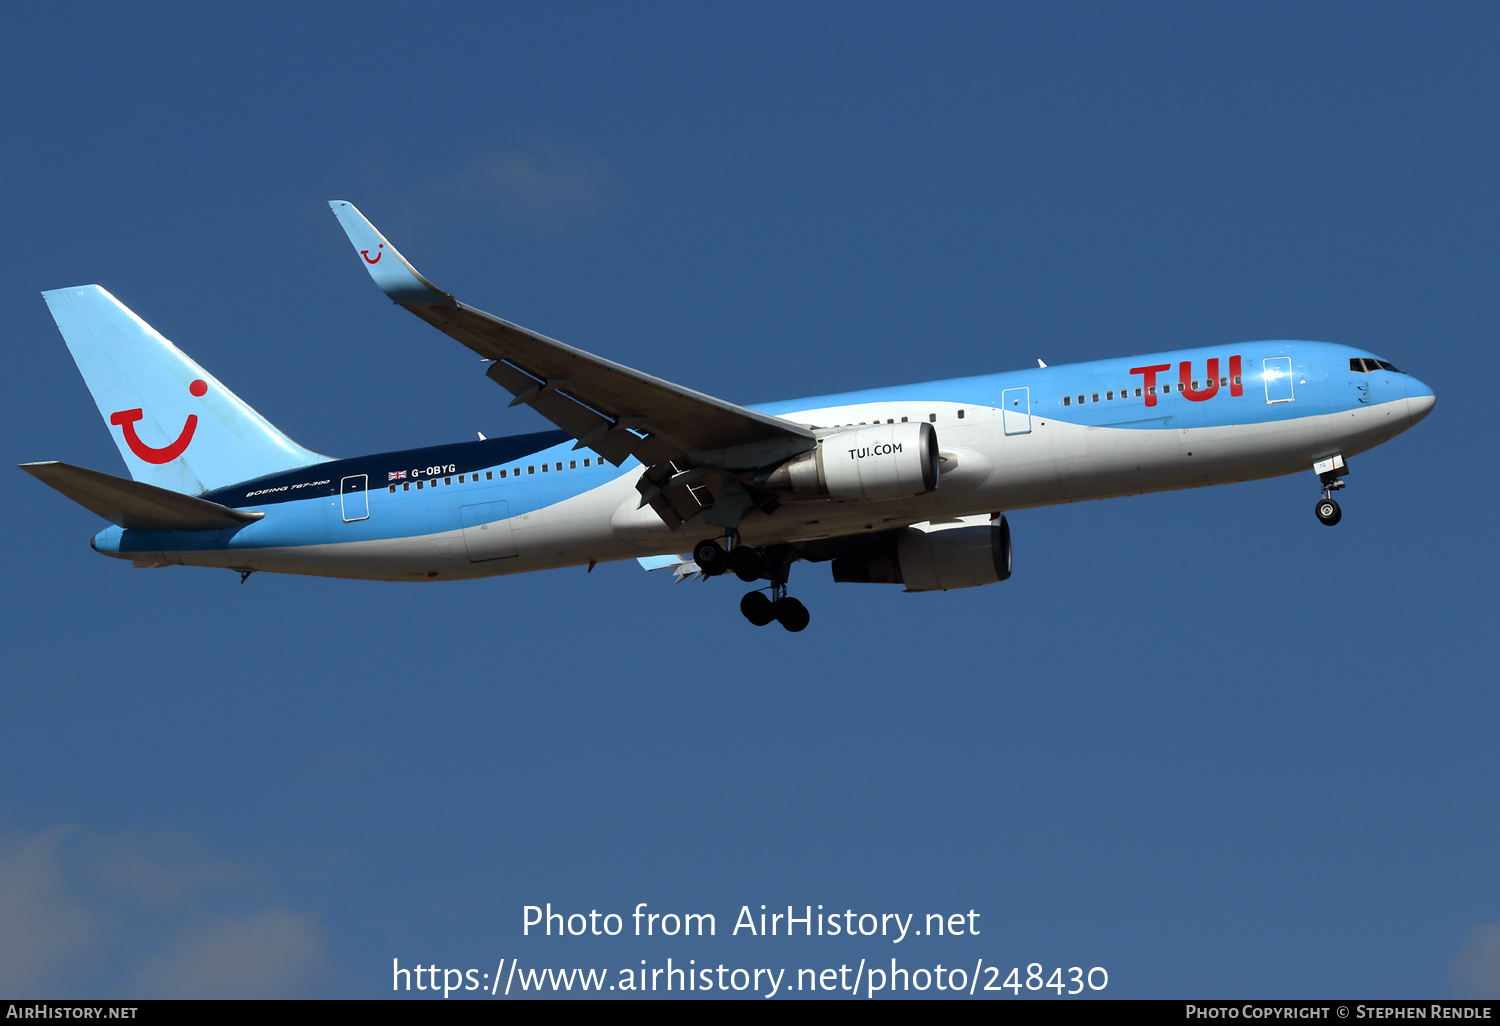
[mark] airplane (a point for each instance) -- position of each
(900, 485)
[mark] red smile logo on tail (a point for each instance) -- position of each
(373, 259)
(127, 418)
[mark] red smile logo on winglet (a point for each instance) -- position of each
(126, 420)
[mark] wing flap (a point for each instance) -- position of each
(135, 505)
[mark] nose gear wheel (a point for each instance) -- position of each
(1327, 509)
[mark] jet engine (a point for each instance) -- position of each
(881, 461)
(938, 557)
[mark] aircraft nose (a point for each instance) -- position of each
(1419, 399)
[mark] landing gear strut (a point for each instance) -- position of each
(1330, 471)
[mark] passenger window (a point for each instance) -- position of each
(393, 489)
(890, 420)
(1151, 390)
(544, 468)
(903, 420)
(531, 469)
(1096, 397)
(406, 487)
(1236, 379)
(489, 475)
(572, 464)
(460, 479)
(585, 463)
(1138, 393)
(960, 414)
(559, 466)
(419, 486)
(1223, 381)
(932, 417)
(1067, 400)
(1080, 400)
(447, 480)
(1109, 395)
(1166, 388)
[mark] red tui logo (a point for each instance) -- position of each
(126, 420)
(1185, 382)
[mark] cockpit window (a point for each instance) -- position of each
(1367, 366)
(1356, 364)
(1386, 365)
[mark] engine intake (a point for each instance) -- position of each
(881, 461)
(934, 558)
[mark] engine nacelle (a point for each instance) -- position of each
(940, 557)
(881, 461)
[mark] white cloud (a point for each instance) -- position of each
(146, 916)
(1477, 968)
(275, 953)
(42, 928)
(551, 187)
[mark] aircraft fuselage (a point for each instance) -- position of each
(1007, 441)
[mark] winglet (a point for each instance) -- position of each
(396, 277)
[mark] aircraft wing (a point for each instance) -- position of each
(610, 408)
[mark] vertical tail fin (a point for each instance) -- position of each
(176, 426)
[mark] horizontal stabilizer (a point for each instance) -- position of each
(135, 505)
(681, 566)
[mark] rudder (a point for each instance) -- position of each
(175, 424)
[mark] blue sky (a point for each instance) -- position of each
(1198, 739)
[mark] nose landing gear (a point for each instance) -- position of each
(1330, 471)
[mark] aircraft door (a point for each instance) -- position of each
(1015, 406)
(353, 498)
(1277, 371)
(487, 531)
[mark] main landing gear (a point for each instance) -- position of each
(743, 561)
(1330, 473)
(751, 564)
(761, 609)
